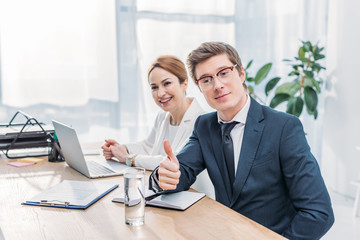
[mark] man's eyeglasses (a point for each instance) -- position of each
(208, 81)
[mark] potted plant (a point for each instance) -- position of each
(302, 90)
(305, 87)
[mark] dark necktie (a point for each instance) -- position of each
(228, 148)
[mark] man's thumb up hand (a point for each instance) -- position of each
(169, 173)
(171, 156)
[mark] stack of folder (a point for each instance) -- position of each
(17, 138)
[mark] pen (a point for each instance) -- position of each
(54, 203)
(151, 197)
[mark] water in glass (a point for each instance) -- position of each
(134, 188)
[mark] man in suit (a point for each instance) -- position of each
(270, 174)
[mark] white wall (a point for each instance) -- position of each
(341, 133)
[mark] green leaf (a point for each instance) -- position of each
(307, 82)
(315, 49)
(297, 66)
(301, 52)
(302, 59)
(262, 73)
(250, 79)
(295, 106)
(311, 82)
(311, 99)
(271, 84)
(289, 88)
(294, 73)
(277, 99)
(287, 60)
(315, 114)
(307, 46)
(316, 67)
(309, 74)
(319, 56)
(316, 85)
(249, 64)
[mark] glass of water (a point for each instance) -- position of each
(134, 193)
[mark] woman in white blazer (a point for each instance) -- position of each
(168, 81)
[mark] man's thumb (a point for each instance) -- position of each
(168, 150)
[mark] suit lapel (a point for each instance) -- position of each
(251, 139)
(216, 141)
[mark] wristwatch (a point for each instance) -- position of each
(130, 160)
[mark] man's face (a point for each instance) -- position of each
(227, 96)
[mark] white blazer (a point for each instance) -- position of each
(149, 151)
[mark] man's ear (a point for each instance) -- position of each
(242, 74)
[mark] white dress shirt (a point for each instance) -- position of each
(237, 133)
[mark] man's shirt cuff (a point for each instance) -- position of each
(154, 181)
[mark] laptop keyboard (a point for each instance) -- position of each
(98, 169)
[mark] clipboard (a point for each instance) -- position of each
(72, 194)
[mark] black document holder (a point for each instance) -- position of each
(31, 135)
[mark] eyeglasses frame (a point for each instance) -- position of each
(216, 75)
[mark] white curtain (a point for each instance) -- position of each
(57, 52)
(341, 141)
(87, 60)
(58, 61)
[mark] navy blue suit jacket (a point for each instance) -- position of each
(278, 182)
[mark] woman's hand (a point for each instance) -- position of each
(111, 149)
(106, 148)
(120, 152)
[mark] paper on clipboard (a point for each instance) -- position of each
(72, 194)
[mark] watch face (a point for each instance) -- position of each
(128, 161)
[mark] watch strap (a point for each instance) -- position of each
(130, 160)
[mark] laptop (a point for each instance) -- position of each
(74, 157)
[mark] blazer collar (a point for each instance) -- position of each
(251, 140)
(193, 111)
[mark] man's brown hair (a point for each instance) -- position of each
(209, 49)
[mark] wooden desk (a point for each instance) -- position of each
(207, 219)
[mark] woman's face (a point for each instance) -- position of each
(166, 89)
